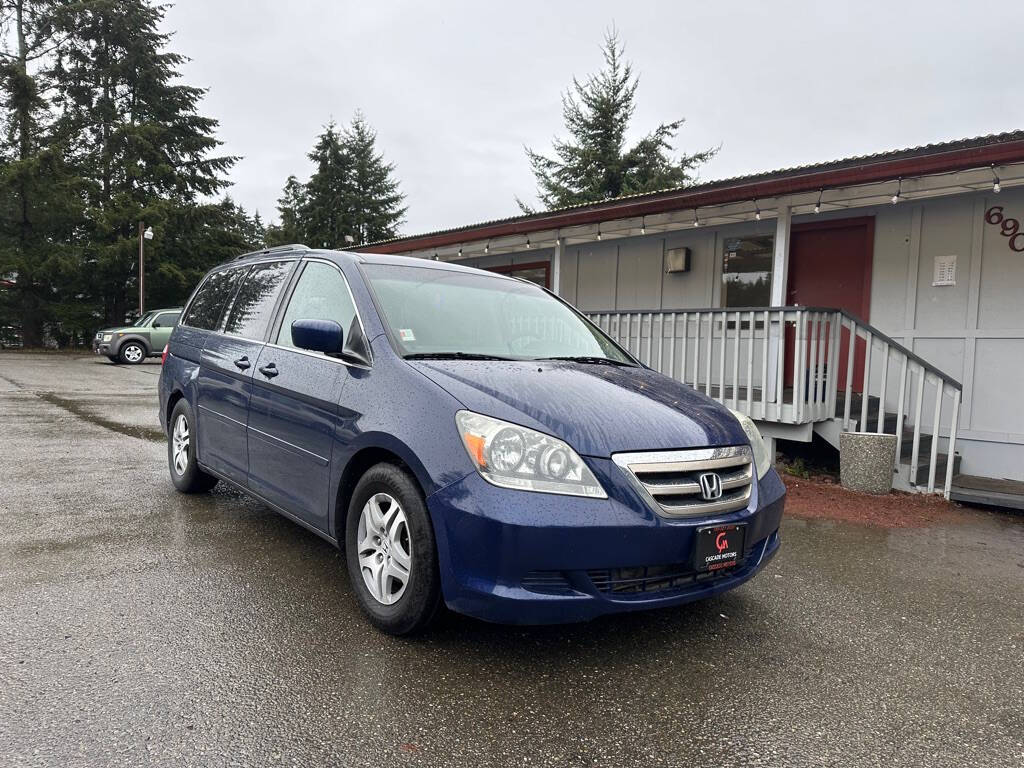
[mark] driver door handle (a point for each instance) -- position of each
(242, 363)
(269, 370)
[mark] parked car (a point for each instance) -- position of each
(466, 438)
(146, 337)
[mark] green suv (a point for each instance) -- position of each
(146, 337)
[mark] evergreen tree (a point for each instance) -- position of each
(39, 197)
(193, 239)
(140, 141)
(288, 207)
(352, 192)
(594, 164)
(374, 201)
(324, 214)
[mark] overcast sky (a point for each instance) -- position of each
(456, 89)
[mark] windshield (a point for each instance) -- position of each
(445, 313)
(143, 320)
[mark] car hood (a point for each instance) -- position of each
(597, 409)
(122, 329)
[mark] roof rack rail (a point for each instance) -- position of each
(275, 249)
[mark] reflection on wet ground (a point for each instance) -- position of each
(141, 626)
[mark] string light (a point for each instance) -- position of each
(643, 225)
(757, 211)
(598, 231)
(435, 255)
(995, 180)
(460, 251)
(487, 247)
(899, 190)
(527, 243)
(696, 221)
(817, 205)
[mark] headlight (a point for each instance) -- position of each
(511, 456)
(108, 336)
(762, 461)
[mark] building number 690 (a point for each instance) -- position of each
(1008, 228)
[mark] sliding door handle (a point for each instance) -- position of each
(242, 363)
(269, 370)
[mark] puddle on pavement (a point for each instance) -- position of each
(153, 434)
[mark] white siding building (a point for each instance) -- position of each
(746, 287)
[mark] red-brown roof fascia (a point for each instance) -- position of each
(768, 185)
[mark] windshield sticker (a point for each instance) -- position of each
(406, 334)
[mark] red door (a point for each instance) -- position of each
(830, 266)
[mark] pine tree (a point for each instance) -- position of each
(140, 141)
(289, 205)
(39, 198)
(324, 216)
(594, 164)
(194, 238)
(374, 201)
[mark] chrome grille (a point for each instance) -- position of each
(671, 480)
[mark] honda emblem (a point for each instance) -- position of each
(710, 486)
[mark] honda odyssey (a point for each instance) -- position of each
(466, 438)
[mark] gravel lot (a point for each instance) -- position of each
(139, 626)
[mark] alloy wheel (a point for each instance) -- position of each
(385, 548)
(179, 444)
(133, 353)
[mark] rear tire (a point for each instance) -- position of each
(181, 452)
(131, 353)
(391, 551)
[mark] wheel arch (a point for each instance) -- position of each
(382, 449)
(176, 394)
(134, 337)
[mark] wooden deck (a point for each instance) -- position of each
(996, 492)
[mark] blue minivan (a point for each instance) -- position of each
(464, 437)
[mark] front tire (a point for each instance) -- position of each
(181, 452)
(391, 552)
(132, 353)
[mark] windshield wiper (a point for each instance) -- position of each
(589, 360)
(453, 356)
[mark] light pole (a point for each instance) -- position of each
(145, 233)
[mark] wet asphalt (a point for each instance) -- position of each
(142, 627)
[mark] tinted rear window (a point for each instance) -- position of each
(213, 296)
(256, 299)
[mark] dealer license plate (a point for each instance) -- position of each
(719, 547)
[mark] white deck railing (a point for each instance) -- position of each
(784, 365)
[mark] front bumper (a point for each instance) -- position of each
(517, 557)
(101, 347)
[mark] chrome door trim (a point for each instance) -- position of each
(274, 440)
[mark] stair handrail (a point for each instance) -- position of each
(792, 308)
(810, 401)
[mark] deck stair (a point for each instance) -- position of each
(854, 378)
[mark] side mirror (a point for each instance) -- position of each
(318, 335)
